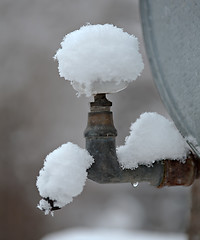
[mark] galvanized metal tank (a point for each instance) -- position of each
(171, 32)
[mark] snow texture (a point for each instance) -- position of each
(44, 205)
(100, 234)
(152, 138)
(99, 59)
(63, 175)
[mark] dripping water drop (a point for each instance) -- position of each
(135, 184)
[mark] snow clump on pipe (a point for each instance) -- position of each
(99, 59)
(152, 138)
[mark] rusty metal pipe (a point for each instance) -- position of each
(181, 174)
(100, 137)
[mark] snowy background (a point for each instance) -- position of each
(40, 111)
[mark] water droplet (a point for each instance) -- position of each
(135, 184)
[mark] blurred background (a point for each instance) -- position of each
(40, 111)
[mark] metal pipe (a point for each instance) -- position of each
(100, 137)
(181, 174)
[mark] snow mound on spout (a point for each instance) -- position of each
(63, 175)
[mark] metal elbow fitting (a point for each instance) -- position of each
(100, 137)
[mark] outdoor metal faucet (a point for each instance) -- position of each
(100, 137)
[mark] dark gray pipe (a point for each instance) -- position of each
(100, 137)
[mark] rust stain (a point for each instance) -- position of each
(177, 173)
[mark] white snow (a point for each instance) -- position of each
(63, 175)
(44, 206)
(99, 59)
(152, 138)
(105, 234)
